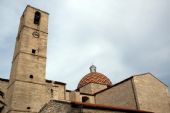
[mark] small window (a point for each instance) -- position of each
(37, 17)
(28, 107)
(31, 76)
(33, 51)
(85, 99)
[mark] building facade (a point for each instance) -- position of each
(27, 90)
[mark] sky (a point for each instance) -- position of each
(120, 37)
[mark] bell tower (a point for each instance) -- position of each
(29, 58)
(29, 62)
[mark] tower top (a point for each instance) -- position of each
(34, 18)
(29, 6)
(92, 68)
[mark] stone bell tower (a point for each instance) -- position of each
(27, 77)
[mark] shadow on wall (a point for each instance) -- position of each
(2, 104)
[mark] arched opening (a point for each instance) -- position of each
(37, 17)
(85, 99)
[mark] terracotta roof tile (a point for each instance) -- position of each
(94, 77)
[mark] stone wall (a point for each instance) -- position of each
(29, 12)
(97, 87)
(152, 94)
(31, 97)
(25, 63)
(92, 88)
(55, 106)
(119, 95)
(100, 111)
(3, 89)
(67, 95)
(75, 96)
(86, 89)
(90, 100)
(56, 91)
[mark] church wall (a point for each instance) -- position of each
(97, 87)
(56, 107)
(119, 95)
(91, 98)
(152, 94)
(34, 95)
(92, 88)
(86, 89)
(67, 95)
(68, 107)
(56, 91)
(75, 96)
(29, 95)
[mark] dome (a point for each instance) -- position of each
(94, 77)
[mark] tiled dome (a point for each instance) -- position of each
(94, 77)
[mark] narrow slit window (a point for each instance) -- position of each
(37, 18)
(52, 93)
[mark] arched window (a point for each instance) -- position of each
(37, 17)
(85, 99)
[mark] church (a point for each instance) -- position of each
(28, 91)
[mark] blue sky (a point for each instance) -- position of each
(120, 37)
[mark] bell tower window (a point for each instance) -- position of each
(37, 17)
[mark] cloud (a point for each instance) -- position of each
(121, 38)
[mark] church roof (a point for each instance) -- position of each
(106, 107)
(94, 77)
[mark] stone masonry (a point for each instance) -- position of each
(118, 95)
(151, 93)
